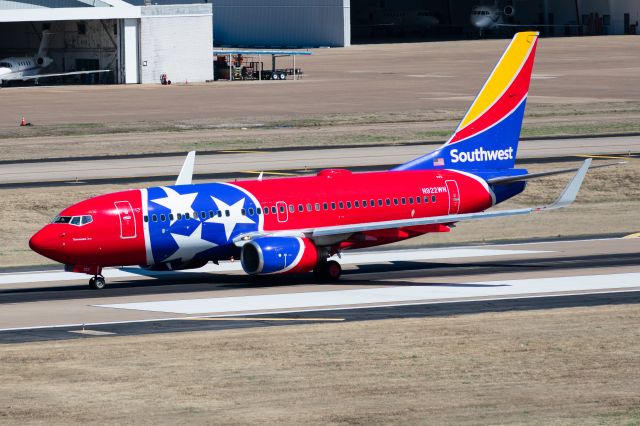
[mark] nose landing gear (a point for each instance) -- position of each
(97, 282)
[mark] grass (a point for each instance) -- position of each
(564, 366)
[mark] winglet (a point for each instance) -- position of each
(184, 178)
(570, 192)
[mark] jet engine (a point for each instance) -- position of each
(509, 10)
(279, 255)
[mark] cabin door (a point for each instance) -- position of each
(127, 219)
(454, 196)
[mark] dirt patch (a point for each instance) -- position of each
(564, 366)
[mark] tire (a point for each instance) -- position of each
(97, 283)
(283, 76)
(334, 270)
(275, 76)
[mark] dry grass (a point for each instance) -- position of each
(608, 203)
(327, 130)
(566, 366)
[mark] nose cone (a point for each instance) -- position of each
(46, 243)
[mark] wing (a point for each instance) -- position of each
(566, 198)
(39, 76)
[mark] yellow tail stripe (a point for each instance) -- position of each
(502, 75)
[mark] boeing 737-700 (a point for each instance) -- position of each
(295, 225)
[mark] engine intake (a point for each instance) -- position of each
(279, 255)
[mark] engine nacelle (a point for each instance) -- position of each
(279, 255)
(509, 10)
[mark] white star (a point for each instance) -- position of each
(235, 215)
(177, 203)
(190, 245)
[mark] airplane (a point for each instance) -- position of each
(296, 224)
(485, 17)
(30, 67)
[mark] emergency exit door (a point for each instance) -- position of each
(454, 196)
(127, 219)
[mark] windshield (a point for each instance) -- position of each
(73, 220)
(5, 65)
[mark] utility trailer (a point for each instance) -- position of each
(248, 65)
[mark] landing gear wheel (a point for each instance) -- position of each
(97, 282)
(328, 271)
(334, 270)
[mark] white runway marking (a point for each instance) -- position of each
(355, 258)
(406, 294)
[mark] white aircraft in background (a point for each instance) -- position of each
(491, 17)
(485, 17)
(30, 67)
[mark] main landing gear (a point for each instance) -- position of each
(97, 282)
(328, 271)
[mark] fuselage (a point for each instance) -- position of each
(187, 225)
(16, 68)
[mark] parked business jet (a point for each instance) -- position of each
(30, 67)
(492, 17)
(294, 225)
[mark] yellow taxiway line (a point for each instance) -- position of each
(607, 157)
(260, 319)
(636, 235)
(269, 173)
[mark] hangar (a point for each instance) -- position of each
(137, 43)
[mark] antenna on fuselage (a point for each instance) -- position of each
(186, 174)
(260, 177)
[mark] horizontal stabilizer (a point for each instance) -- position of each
(503, 180)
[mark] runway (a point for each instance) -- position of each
(376, 285)
(230, 164)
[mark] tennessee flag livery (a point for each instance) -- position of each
(295, 225)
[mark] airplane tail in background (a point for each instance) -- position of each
(44, 44)
(487, 137)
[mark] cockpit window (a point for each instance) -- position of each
(73, 220)
(5, 65)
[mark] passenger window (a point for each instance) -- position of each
(403, 201)
(171, 217)
(426, 199)
(309, 208)
(203, 215)
(273, 209)
(154, 218)
(146, 218)
(380, 202)
(433, 198)
(219, 213)
(387, 201)
(227, 213)
(341, 204)
(250, 211)
(162, 218)
(243, 212)
(395, 201)
(364, 203)
(281, 209)
(300, 208)
(418, 200)
(325, 206)
(348, 204)
(266, 210)
(317, 207)
(86, 219)
(410, 200)
(333, 205)
(356, 204)
(292, 208)
(186, 217)
(372, 202)
(258, 210)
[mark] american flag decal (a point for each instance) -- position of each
(438, 162)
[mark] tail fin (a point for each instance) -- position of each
(44, 44)
(487, 137)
